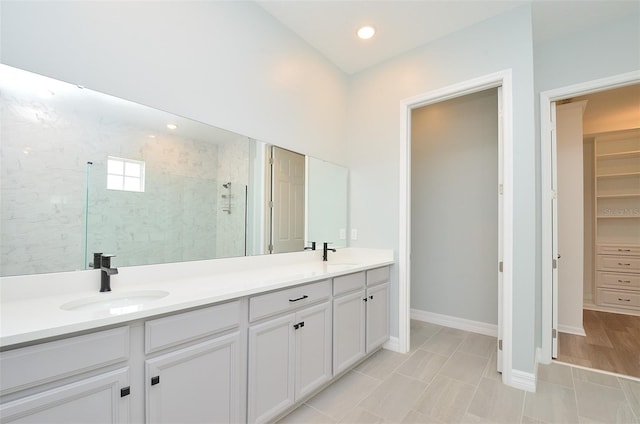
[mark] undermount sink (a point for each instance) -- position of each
(115, 303)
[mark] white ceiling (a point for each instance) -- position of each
(329, 25)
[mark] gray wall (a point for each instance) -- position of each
(608, 49)
(454, 207)
(226, 63)
(503, 42)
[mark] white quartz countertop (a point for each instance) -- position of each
(30, 306)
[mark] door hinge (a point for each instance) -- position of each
(271, 161)
(271, 248)
(554, 263)
(155, 380)
(500, 266)
(500, 344)
(125, 391)
(500, 188)
(271, 203)
(554, 333)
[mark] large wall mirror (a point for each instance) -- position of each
(85, 172)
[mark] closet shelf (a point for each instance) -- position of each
(618, 196)
(618, 217)
(621, 174)
(620, 155)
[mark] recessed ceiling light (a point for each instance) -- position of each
(366, 32)
(172, 126)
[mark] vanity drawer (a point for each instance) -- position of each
(618, 298)
(288, 299)
(176, 329)
(619, 249)
(377, 276)
(618, 280)
(348, 283)
(618, 263)
(46, 362)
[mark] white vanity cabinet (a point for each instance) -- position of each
(199, 381)
(289, 347)
(251, 356)
(82, 379)
(378, 318)
(349, 320)
(360, 316)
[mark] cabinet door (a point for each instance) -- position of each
(271, 368)
(348, 330)
(95, 399)
(196, 384)
(313, 348)
(377, 316)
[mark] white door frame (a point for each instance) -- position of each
(499, 79)
(547, 126)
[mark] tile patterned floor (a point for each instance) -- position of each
(449, 377)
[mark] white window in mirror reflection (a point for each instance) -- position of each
(125, 174)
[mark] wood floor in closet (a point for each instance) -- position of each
(612, 343)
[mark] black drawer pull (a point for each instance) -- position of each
(155, 380)
(624, 300)
(623, 264)
(624, 281)
(298, 325)
(624, 250)
(300, 298)
(125, 391)
(371, 297)
(365, 299)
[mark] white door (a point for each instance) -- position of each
(500, 232)
(287, 201)
(349, 314)
(271, 368)
(554, 232)
(196, 384)
(378, 298)
(313, 348)
(94, 400)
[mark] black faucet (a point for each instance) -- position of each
(103, 263)
(325, 250)
(312, 247)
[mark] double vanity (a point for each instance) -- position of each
(229, 340)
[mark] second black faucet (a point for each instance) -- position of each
(325, 251)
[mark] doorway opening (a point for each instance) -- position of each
(594, 270)
(500, 81)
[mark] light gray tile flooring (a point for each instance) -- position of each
(449, 377)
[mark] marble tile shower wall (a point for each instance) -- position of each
(44, 185)
(233, 166)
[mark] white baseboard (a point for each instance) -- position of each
(578, 331)
(610, 310)
(393, 344)
(523, 380)
(455, 322)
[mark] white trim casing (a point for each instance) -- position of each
(499, 79)
(568, 329)
(546, 125)
(523, 380)
(392, 344)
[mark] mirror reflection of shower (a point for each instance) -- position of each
(226, 196)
